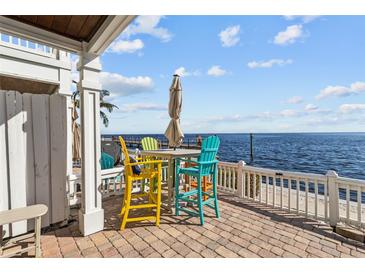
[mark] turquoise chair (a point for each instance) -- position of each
(206, 165)
(106, 161)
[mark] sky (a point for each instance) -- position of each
(239, 74)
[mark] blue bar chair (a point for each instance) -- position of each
(205, 165)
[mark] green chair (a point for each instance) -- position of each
(206, 165)
(149, 143)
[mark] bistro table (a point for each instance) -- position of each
(170, 155)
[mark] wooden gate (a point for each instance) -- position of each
(34, 161)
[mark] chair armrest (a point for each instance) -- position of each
(187, 160)
(145, 163)
(197, 162)
(210, 162)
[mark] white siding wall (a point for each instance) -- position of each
(33, 155)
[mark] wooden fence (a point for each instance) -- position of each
(33, 155)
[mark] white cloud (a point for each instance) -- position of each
(303, 18)
(311, 107)
(148, 25)
(182, 72)
(288, 113)
(233, 118)
(295, 100)
(269, 63)
(126, 46)
(141, 106)
(289, 35)
(216, 71)
(120, 85)
(341, 91)
(351, 108)
(230, 36)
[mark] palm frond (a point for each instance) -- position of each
(108, 106)
(104, 93)
(103, 104)
(104, 118)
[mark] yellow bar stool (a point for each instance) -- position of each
(140, 171)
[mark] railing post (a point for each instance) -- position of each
(240, 185)
(333, 197)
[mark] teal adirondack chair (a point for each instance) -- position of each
(205, 165)
(106, 161)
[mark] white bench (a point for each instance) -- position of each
(21, 214)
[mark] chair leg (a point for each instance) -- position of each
(200, 202)
(128, 190)
(124, 202)
(158, 209)
(38, 237)
(205, 187)
(143, 187)
(177, 195)
(216, 207)
(150, 194)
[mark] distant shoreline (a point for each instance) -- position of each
(227, 133)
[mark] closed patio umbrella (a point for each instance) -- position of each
(76, 132)
(173, 132)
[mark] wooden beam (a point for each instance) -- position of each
(35, 34)
(104, 36)
(108, 32)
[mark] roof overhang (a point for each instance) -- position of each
(112, 26)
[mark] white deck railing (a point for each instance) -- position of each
(27, 45)
(112, 184)
(329, 198)
(112, 180)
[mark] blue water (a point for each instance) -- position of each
(303, 152)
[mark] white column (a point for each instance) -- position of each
(91, 214)
(64, 73)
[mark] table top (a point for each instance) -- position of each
(171, 153)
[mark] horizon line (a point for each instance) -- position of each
(298, 132)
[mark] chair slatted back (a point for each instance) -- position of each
(149, 143)
(127, 167)
(106, 161)
(208, 153)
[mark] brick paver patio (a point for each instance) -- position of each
(245, 229)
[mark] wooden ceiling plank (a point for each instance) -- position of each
(29, 18)
(78, 27)
(95, 28)
(45, 21)
(90, 22)
(75, 25)
(60, 23)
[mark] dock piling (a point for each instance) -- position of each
(251, 147)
